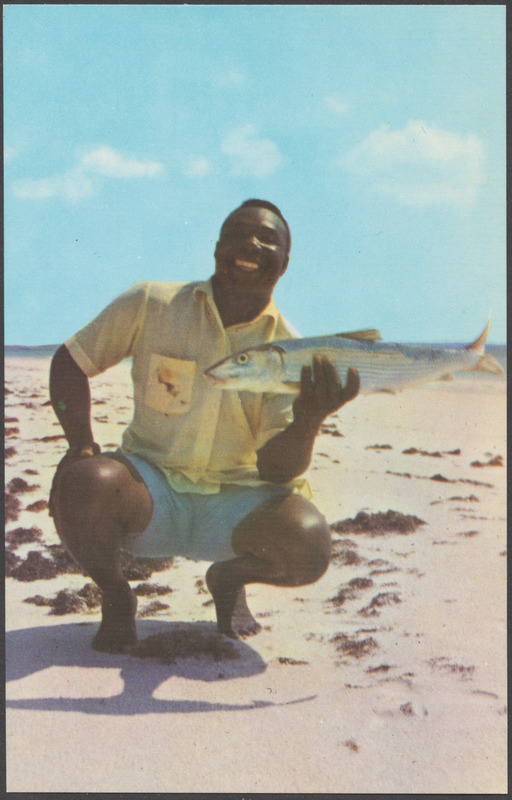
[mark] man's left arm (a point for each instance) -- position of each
(288, 453)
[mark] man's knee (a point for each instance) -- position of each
(313, 537)
(85, 480)
(100, 489)
(290, 531)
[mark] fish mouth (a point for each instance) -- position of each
(217, 381)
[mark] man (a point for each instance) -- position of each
(204, 473)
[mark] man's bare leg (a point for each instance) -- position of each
(242, 621)
(284, 542)
(96, 502)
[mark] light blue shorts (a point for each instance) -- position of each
(198, 526)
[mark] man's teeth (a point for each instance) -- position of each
(246, 264)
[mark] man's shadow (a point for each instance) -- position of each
(31, 650)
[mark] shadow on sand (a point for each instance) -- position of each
(31, 650)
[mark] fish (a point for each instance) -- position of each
(383, 367)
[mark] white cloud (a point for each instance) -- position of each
(420, 165)
(337, 104)
(73, 185)
(106, 161)
(251, 156)
(197, 167)
(82, 181)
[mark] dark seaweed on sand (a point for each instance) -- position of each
(151, 589)
(11, 432)
(22, 536)
(12, 507)
(152, 608)
(68, 602)
(379, 523)
(413, 451)
(379, 601)
(345, 557)
(20, 486)
(169, 647)
(355, 648)
(140, 569)
(35, 567)
(39, 505)
(497, 461)
(350, 591)
(12, 561)
(56, 560)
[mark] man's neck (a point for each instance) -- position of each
(236, 308)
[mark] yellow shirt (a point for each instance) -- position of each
(198, 435)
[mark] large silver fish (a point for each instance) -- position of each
(277, 367)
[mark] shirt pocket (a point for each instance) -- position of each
(169, 384)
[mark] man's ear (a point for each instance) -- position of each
(285, 265)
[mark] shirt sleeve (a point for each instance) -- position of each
(111, 336)
(276, 415)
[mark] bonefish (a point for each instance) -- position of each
(276, 367)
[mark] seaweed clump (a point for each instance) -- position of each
(88, 598)
(169, 647)
(379, 523)
(135, 568)
(355, 648)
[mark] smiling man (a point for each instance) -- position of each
(207, 474)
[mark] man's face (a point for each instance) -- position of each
(252, 250)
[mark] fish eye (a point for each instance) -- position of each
(243, 358)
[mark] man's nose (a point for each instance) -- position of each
(253, 240)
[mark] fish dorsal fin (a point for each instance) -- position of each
(478, 344)
(369, 335)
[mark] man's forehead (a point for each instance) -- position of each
(256, 215)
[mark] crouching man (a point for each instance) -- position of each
(208, 474)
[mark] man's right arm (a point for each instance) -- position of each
(71, 400)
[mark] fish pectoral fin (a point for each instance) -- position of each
(293, 386)
(369, 335)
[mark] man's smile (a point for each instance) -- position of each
(247, 265)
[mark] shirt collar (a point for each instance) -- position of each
(206, 288)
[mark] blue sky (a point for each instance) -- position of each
(131, 131)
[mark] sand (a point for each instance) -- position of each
(386, 676)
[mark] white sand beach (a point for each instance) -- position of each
(386, 676)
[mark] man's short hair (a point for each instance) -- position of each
(271, 207)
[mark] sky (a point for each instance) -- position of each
(132, 131)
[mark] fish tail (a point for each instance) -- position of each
(486, 362)
(489, 364)
(479, 344)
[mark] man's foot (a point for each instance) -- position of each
(242, 621)
(233, 616)
(118, 632)
(225, 594)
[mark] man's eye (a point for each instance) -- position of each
(267, 238)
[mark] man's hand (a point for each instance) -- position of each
(322, 392)
(80, 452)
(288, 453)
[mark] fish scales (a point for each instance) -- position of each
(380, 366)
(277, 367)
